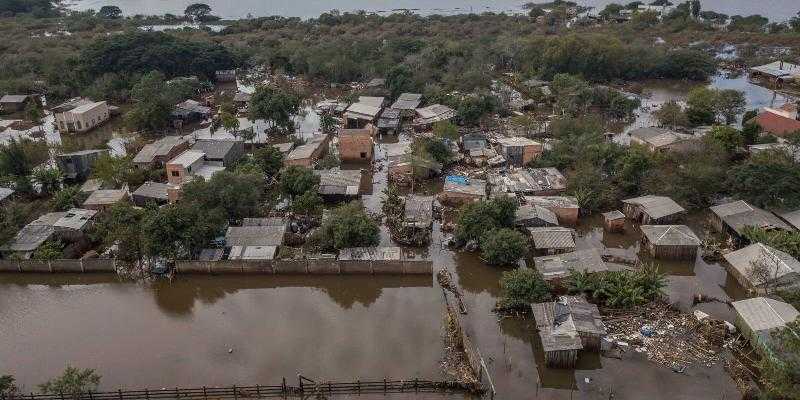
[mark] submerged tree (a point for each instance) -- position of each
(274, 105)
(73, 381)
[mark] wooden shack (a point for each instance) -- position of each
(552, 240)
(614, 221)
(652, 209)
(732, 218)
(566, 327)
(674, 242)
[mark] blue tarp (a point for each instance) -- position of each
(459, 180)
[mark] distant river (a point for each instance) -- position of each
(774, 9)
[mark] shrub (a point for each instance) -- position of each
(348, 226)
(521, 287)
(476, 218)
(620, 288)
(502, 246)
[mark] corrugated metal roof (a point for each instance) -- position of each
(552, 237)
(656, 206)
(29, 238)
(252, 252)
(783, 267)
(5, 193)
(763, 314)
(255, 235)
(559, 266)
(370, 253)
(793, 218)
(105, 197)
(419, 210)
(739, 214)
(534, 215)
(670, 235)
(407, 101)
(153, 190)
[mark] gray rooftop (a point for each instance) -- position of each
(308, 149)
(160, 148)
(555, 237)
(559, 266)
(14, 98)
(670, 235)
(408, 101)
(529, 181)
(29, 238)
(419, 210)
(613, 215)
(783, 268)
(765, 314)
(253, 252)
(476, 187)
(75, 219)
(740, 214)
(658, 137)
(370, 253)
(153, 190)
(270, 221)
(560, 323)
(105, 197)
(215, 149)
(255, 236)
(534, 215)
(5, 193)
(793, 218)
(656, 206)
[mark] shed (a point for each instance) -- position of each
(16, 102)
(676, 242)
(432, 114)
(160, 152)
(253, 253)
(155, 192)
(255, 236)
(306, 155)
(567, 326)
(732, 218)
(358, 115)
(27, 240)
(529, 181)
(528, 216)
(652, 209)
(780, 269)
(220, 152)
(565, 207)
(190, 111)
(759, 317)
(519, 151)
(559, 266)
(337, 185)
(105, 198)
(614, 221)
(418, 211)
(407, 103)
(389, 122)
(473, 141)
(552, 240)
(459, 190)
(77, 166)
(660, 139)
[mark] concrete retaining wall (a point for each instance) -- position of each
(58, 266)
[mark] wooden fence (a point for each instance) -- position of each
(305, 388)
(321, 266)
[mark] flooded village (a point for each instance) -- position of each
(202, 213)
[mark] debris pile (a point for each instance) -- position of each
(456, 361)
(668, 336)
(445, 280)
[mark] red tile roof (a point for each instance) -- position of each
(777, 124)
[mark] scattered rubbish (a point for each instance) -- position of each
(230, 351)
(587, 380)
(646, 330)
(677, 368)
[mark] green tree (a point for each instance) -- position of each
(269, 160)
(780, 368)
(327, 123)
(121, 226)
(67, 198)
(50, 250)
(446, 130)
(729, 104)
(33, 112)
(8, 386)
(348, 226)
(770, 179)
(308, 203)
(702, 103)
(73, 381)
(295, 181)
(476, 218)
(726, 137)
(236, 195)
(180, 231)
(110, 12)
(502, 246)
(671, 114)
(274, 105)
(49, 179)
(522, 287)
(112, 171)
(197, 11)
(399, 79)
(788, 242)
(153, 103)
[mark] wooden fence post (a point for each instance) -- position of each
(205, 395)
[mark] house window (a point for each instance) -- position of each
(78, 124)
(175, 173)
(363, 155)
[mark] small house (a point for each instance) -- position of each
(652, 209)
(68, 226)
(614, 221)
(389, 122)
(222, 152)
(77, 166)
(158, 153)
(566, 327)
(675, 242)
(529, 182)
(359, 115)
(151, 192)
(262, 240)
(565, 207)
(473, 141)
(559, 266)
(27, 241)
(80, 115)
(760, 267)
(428, 116)
(732, 218)
(336, 185)
(780, 122)
(418, 211)
(660, 139)
(529, 216)
(242, 100)
(307, 154)
(758, 318)
(17, 102)
(188, 165)
(407, 104)
(225, 75)
(552, 240)
(103, 199)
(519, 151)
(190, 111)
(776, 73)
(459, 190)
(356, 144)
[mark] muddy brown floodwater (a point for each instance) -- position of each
(179, 333)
